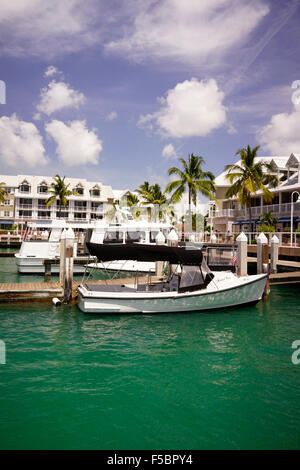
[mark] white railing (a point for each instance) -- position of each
(284, 209)
(229, 238)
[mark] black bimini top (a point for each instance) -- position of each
(141, 252)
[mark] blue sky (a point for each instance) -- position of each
(117, 91)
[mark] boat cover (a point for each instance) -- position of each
(189, 256)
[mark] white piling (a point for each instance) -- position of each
(62, 259)
(274, 254)
(213, 238)
(70, 237)
(159, 265)
(242, 254)
(262, 254)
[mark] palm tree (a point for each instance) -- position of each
(3, 193)
(132, 200)
(59, 190)
(193, 178)
(153, 195)
(249, 177)
(268, 219)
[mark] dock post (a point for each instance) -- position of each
(274, 254)
(213, 238)
(47, 264)
(242, 254)
(159, 265)
(62, 257)
(69, 265)
(8, 238)
(172, 240)
(262, 254)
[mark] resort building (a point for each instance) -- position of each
(228, 215)
(28, 194)
(7, 208)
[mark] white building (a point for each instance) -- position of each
(230, 215)
(31, 192)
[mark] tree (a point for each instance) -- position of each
(132, 200)
(3, 192)
(248, 177)
(60, 191)
(192, 178)
(268, 219)
(153, 195)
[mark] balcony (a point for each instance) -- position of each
(25, 206)
(277, 210)
(80, 209)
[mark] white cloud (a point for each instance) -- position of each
(21, 145)
(282, 135)
(76, 145)
(169, 152)
(51, 70)
(57, 96)
(112, 116)
(37, 27)
(191, 108)
(189, 30)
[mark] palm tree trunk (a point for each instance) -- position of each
(250, 216)
(190, 199)
(59, 213)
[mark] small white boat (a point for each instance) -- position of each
(42, 242)
(195, 288)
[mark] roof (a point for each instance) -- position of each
(279, 161)
(143, 252)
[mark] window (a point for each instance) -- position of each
(95, 192)
(6, 214)
(7, 202)
(79, 215)
(113, 236)
(97, 206)
(132, 237)
(79, 189)
(44, 214)
(25, 187)
(43, 188)
(25, 214)
(62, 206)
(62, 215)
(96, 216)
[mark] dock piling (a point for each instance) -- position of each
(69, 257)
(274, 254)
(262, 254)
(159, 265)
(242, 246)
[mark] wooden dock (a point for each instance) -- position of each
(32, 291)
(29, 291)
(292, 277)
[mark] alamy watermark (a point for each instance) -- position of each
(2, 352)
(296, 353)
(2, 92)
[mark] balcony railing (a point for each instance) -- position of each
(24, 206)
(277, 209)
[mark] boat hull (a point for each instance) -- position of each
(36, 266)
(245, 291)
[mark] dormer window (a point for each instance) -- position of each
(79, 189)
(25, 187)
(95, 191)
(42, 188)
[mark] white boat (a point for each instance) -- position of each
(196, 288)
(126, 232)
(42, 242)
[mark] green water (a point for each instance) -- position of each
(189, 381)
